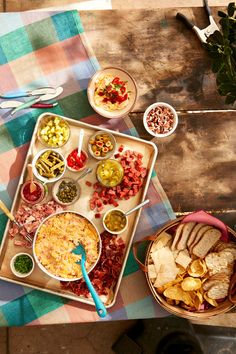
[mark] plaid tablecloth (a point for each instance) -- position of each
(50, 49)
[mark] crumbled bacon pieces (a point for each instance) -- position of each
(160, 120)
(31, 216)
(134, 174)
(105, 275)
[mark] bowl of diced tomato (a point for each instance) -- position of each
(75, 162)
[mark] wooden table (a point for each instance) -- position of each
(196, 164)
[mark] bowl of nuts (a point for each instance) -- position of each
(160, 119)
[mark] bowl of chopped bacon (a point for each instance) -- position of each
(160, 119)
(112, 92)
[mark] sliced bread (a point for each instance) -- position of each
(193, 233)
(207, 241)
(218, 291)
(187, 229)
(199, 235)
(177, 236)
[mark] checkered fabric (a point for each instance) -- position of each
(50, 49)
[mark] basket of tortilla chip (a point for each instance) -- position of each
(190, 266)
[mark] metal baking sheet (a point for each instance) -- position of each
(38, 279)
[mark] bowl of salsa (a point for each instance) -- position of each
(33, 195)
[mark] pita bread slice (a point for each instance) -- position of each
(161, 241)
(177, 236)
(193, 234)
(183, 259)
(187, 229)
(199, 235)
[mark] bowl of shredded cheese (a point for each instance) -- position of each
(55, 239)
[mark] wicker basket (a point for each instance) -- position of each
(225, 306)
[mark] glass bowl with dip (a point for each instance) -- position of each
(110, 173)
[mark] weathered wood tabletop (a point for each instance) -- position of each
(197, 164)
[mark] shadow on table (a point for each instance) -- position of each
(174, 335)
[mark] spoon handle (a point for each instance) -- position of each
(101, 309)
(137, 207)
(80, 142)
(30, 171)
(85, 173)
(6, 211)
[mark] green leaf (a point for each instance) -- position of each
(217, 65)
(230, 99)
(221, 14)
(221, 48)
(231, 9)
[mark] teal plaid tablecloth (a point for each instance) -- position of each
(50, 49)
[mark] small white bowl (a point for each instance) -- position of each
(56, 187)
(14, 271)
(110, 231)
(82, 168)
(162, 104)
(131, 86)
(110, 153)
(44, 179)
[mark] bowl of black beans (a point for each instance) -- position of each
(66, 191)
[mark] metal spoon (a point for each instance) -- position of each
(137, 207)
(101, 310)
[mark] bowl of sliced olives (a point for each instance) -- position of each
(101, 145)
(48, 165)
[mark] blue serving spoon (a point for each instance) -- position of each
(101, 310)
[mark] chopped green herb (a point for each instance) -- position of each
(117, 87)
(23, 264)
